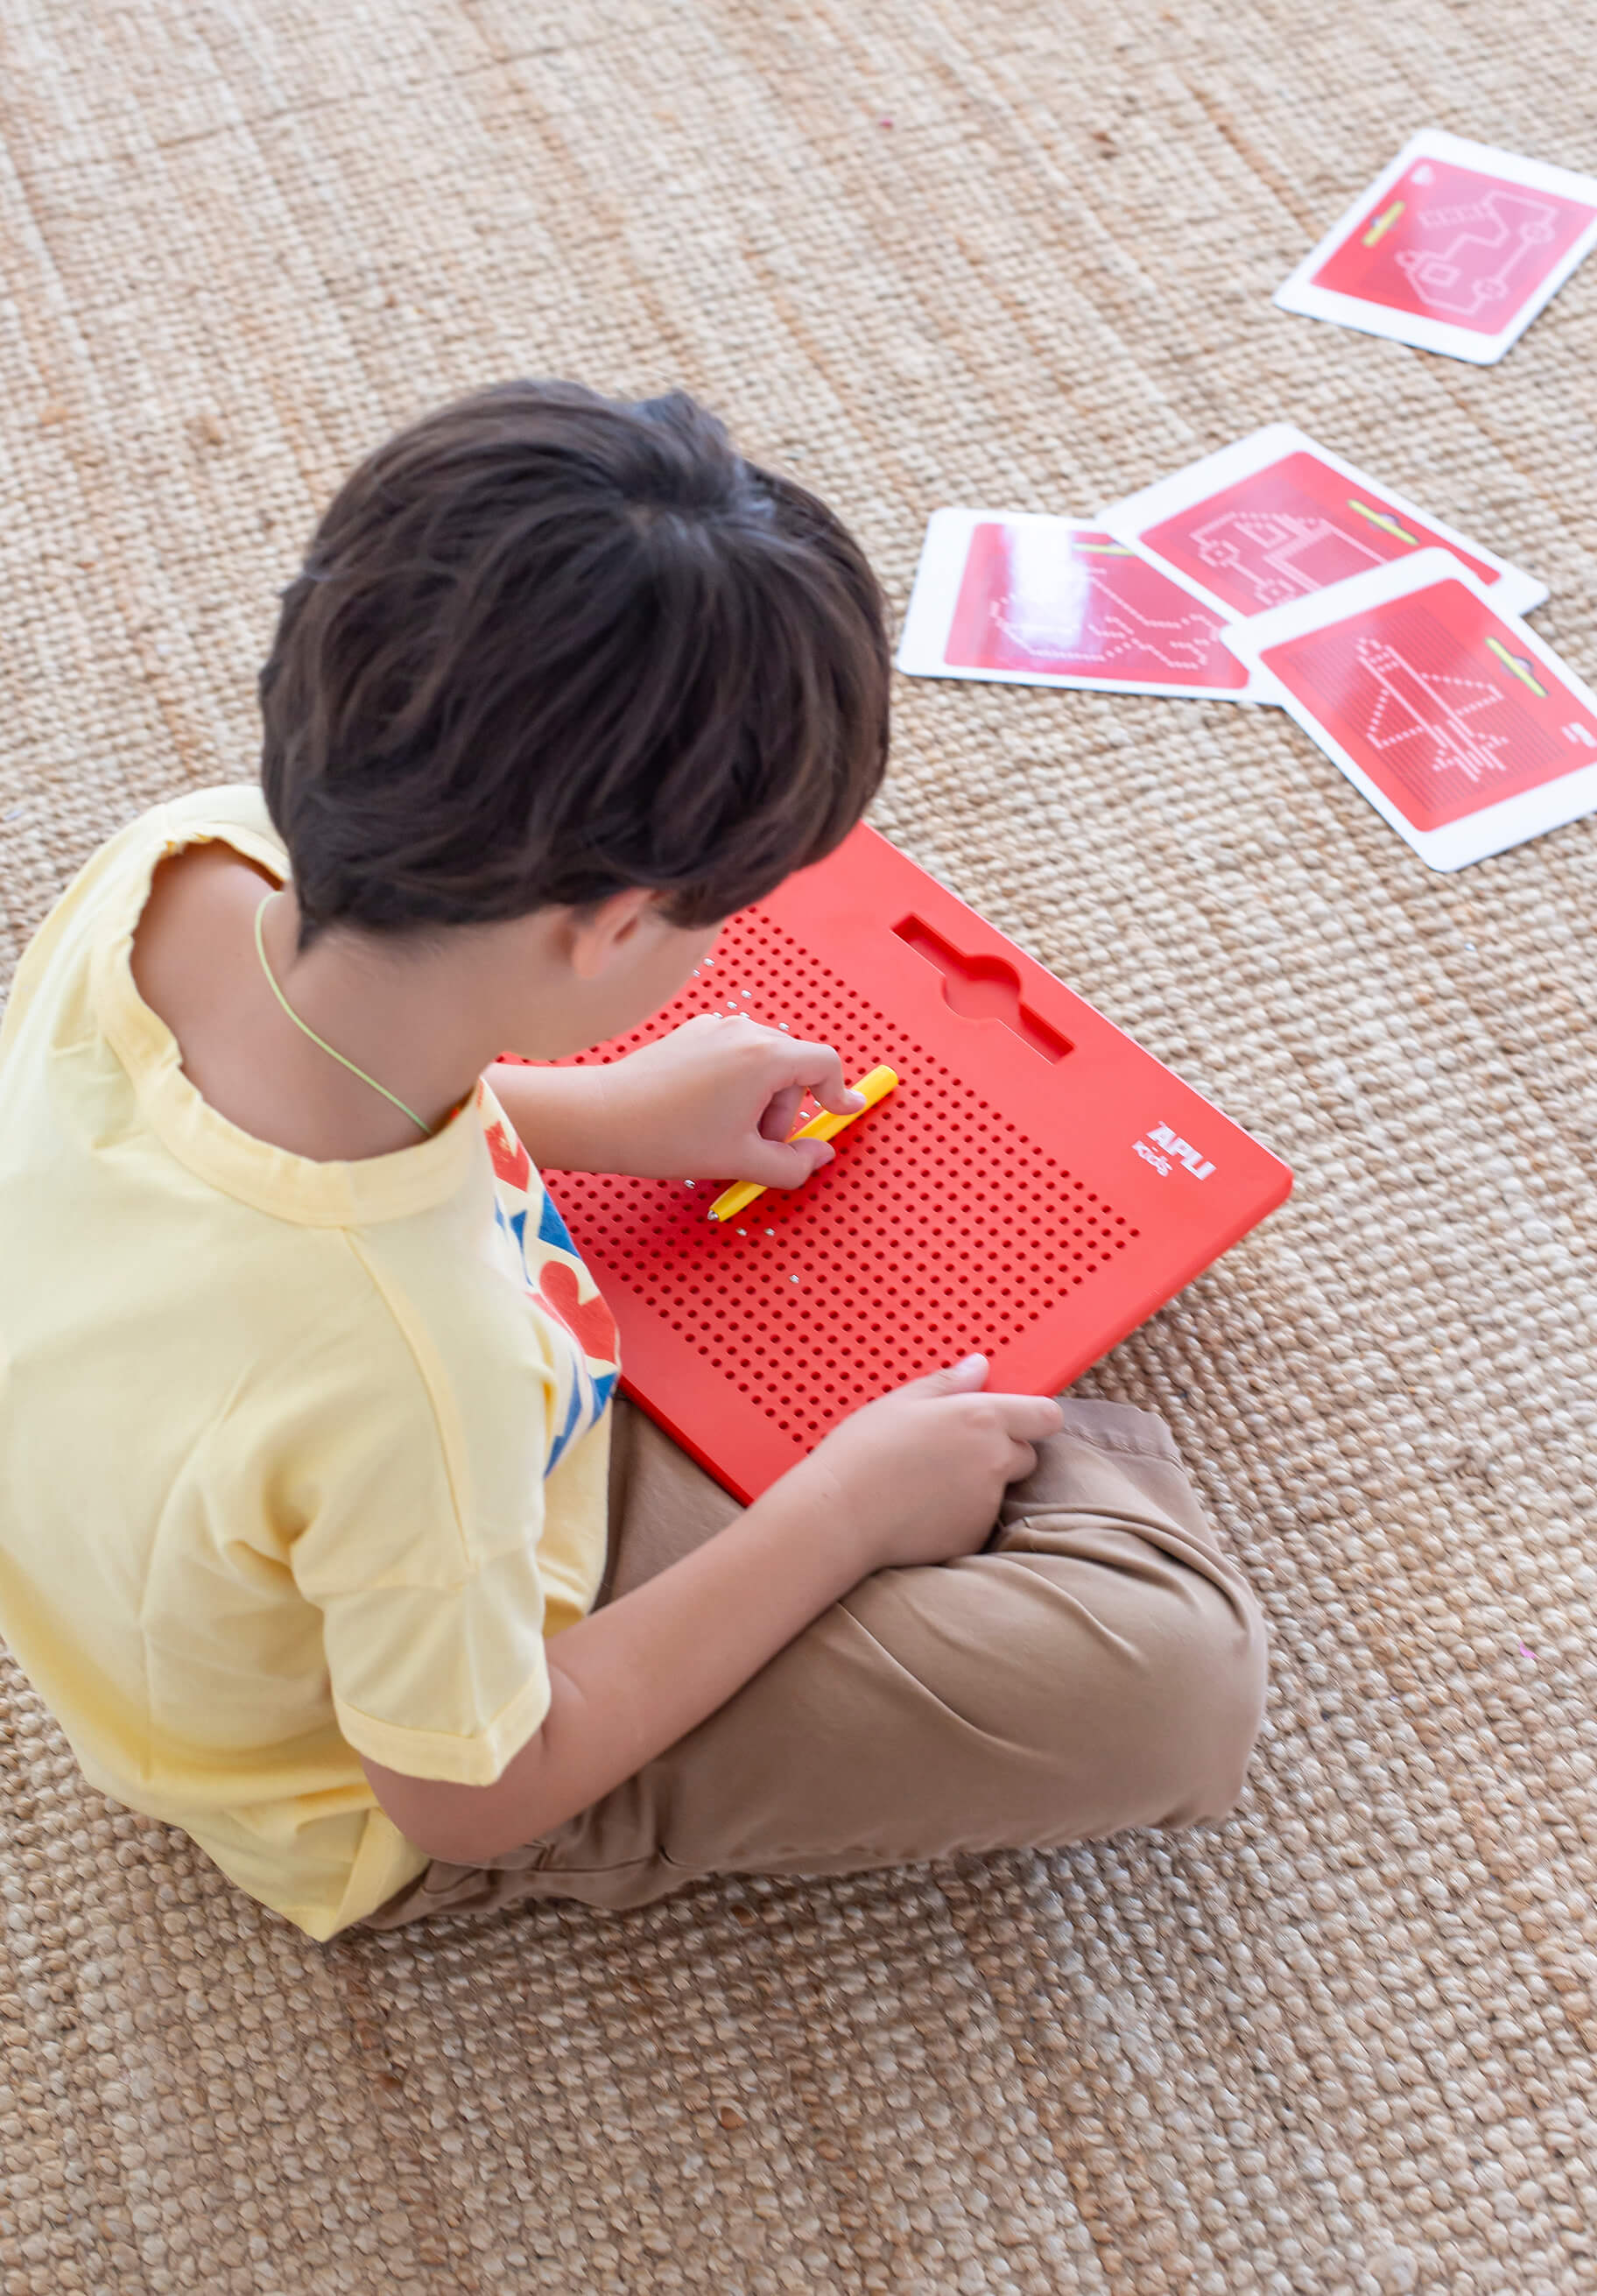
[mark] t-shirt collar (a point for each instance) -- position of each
(392, 1187)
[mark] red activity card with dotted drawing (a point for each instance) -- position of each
(1274, 517)
(1454, 247)
(1025, 599)
(1459, 724)
(1036, 1187)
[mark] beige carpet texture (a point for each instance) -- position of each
(1004, 252)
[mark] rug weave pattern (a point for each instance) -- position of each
(1017, 252)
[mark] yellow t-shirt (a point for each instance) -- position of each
(296, 1458)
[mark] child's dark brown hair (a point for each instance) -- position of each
(547, 646)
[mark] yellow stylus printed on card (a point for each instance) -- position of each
(875, 1085)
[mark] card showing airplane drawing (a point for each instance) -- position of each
(1459, 725)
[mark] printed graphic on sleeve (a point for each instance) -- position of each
(1448, 242)
(1045, 598)
(1430, 699)
(541, 1256)
(1294, 527)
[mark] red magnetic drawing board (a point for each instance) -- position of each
(1035, 1188)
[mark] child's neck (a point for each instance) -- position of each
(403, 1014)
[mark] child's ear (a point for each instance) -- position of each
(603, 934)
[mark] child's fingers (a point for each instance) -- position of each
(1027, 1418)
(782, 1112)
(818, 1069)
(785, 1163)
(960, 1378)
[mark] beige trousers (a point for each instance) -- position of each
(1099, 1664)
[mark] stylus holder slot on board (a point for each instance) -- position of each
(982, 988)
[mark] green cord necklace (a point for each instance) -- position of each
(260, 950)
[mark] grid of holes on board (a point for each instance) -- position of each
(941, 1227)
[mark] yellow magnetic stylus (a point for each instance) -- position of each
(875, 1086)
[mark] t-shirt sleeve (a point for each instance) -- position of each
(418, 1545)
(441, 1682)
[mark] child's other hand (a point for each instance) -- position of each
(718, 1097)
(918, 1475)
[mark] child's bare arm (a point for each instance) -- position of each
(916, 1477)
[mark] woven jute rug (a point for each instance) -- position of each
(1016, 252)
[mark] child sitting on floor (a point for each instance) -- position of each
(321, 1531)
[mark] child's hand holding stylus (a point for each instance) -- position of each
(718, 1097)
(874, 1086)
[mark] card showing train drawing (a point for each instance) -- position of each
(1276, 517)
(1459, 725)
(1029, 600)
(1455, 249)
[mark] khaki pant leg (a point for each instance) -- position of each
(663, 1504)
(1171, 1637)
(1100, 1665)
